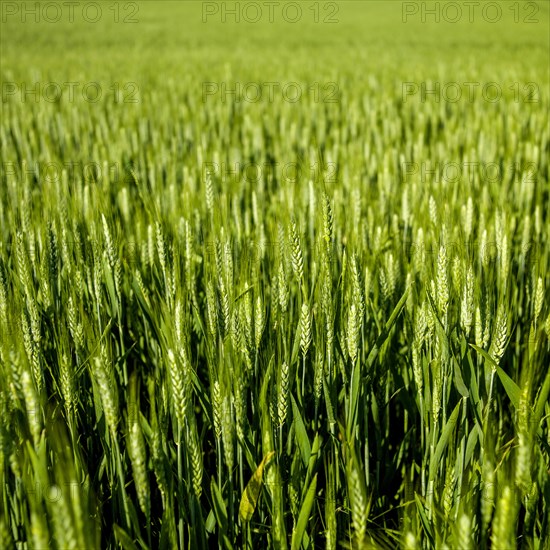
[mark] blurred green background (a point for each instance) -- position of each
(170, 41)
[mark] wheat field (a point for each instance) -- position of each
(274, 284)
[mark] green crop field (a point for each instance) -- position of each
(275, 275)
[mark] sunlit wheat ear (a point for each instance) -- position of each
(141, 286)
(79, 283)
(305, 328)
(32, 352)
(296, 256)
(32, 405)
(35, 326)
(319, 369)
(211, 310)
(448, 491)
(357, 288)
(179, 321)
(358, 500)
(75, 327)
(173, 282)
(294, 498)
(228, 433)
(228, 266)
(217, 409)
(525, 444)
(109, 242)
(478, 327)
(457, 278)
(67, 384)
(157, 457)
(467, 303)
(23, 265)
(34, 316)
(500, 335)
(239, 403)
(384, 285)
(352, 336)
(394, 272)
(282, 394)
(224, 309)
(442, 283)
(138, 458)
(45, 288)
(98, 275)
(56, 253)
(328, 223)
(259, 321)
(107, 391)
(237, 338)
(178, 387)
(161, 248)
(195, 458)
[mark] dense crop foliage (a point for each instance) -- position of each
(245, 324)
